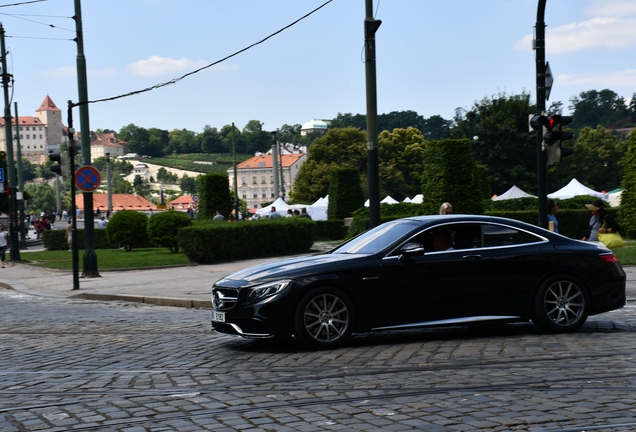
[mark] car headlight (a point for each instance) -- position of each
(268, 289)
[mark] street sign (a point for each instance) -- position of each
(195, 198)
(87, 178)
(1, 174)
(548, 80)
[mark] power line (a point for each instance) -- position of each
(176, 80)
(23, 3)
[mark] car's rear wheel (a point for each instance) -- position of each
(561, 305)
(324, 318)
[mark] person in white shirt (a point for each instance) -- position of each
(4, 242)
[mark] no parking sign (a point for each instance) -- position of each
(87, 178)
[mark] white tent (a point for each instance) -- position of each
(407, 200)
(281, 208)
(318, 210)
(389, 200)
(614, 197)
(418, 199)
(575, 188)
(512, 193)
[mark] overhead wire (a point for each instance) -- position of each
(176, 80)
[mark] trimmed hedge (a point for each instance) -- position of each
(208, 242)
(55, 240)
(330, 230)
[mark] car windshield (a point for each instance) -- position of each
(378, 238)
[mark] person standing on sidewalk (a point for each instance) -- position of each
(4, 242)
(68, 234)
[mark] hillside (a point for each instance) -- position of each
(201, 163)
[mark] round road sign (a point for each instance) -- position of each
(87, 178)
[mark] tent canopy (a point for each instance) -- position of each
(318, 210)
(512, 193)
(575, 188)
(281, 208)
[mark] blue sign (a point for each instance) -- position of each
(87, 178)
(1, 174)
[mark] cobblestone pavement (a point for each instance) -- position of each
(83, 365)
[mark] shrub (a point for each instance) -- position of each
(206, 242)
(128, 228)
(345, 193)
(214, 194)
(163, 228)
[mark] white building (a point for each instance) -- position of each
(315, 125)
(256, 177)
(106, 143)
(37, 134)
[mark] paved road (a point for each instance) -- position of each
(69, 364)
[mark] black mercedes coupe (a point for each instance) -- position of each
(423, 271)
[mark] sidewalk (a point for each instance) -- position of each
(188, 286)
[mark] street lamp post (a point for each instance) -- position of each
(109, 186)
(275, 165)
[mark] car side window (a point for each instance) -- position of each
(499, 235)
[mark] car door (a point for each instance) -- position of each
(438, 285)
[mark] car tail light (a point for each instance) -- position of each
(609, 257)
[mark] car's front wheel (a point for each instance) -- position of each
(561, 305)
(324, 318)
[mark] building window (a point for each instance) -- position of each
(272, 194)
(264, 193)
(255, 194)
(244, 194)
(28, 136)
(254, 180)
(243, 180)
(40, 136)
(271, 179)
(40, 128)
(21, 136)
(263, 179)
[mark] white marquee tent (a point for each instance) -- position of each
(281, 208)
(318, 210)
(387, 200)
(575, 188)
(512, 193)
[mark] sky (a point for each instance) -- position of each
(433, 56)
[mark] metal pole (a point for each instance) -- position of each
(370, 27)
(282, 175)
(90, 257)
(73, 215)
(236, 198)
(542, 167)
(275, 166)
(109, 189)
(20, 194)
(13, 220)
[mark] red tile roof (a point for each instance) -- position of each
(48, 105)
(120, 202)
(24, 121)
(265, 161)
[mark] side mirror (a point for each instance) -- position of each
(409, 250)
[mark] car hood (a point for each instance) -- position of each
(293, 267)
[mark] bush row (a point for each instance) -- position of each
(208, 242)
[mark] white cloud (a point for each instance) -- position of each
(613, 33)
(626, 78)
(156, 65)
(60, 73)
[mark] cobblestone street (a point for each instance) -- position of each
(95, 366)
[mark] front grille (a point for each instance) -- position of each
(224, 298)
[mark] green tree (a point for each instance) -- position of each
(627, 209)
(337, 148)
(158, 142)
(255, 138)
(290, 134)
(214, 194)
(136, 138)
(597, 108)
(595, 161)
(504, 144)
(41, 198)
(128, 228)
(451, 175)
(121, 186)
(396, 176)
(210, 141)
(163, 228)
(345, 193)
(189, 184)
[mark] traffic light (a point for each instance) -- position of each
(62, 166)
(555, 136)
(538, 122)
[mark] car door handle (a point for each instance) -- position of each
(472, 257)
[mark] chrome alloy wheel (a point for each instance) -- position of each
(564, 303)
(326, 318)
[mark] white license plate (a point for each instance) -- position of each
(218, 316)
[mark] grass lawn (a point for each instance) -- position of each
(627, 254)
(107, 258)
